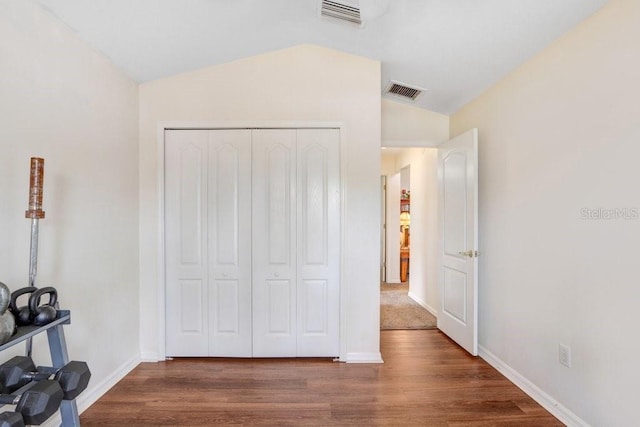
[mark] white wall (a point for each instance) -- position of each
(405, 178)
(404, 125)
(305, 83)
(423, 163)
(393, 228)
(387, 163)
(559, 135)
(63, 101)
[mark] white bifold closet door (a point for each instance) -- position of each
(252, 223)
(296, 202)
(208, 242)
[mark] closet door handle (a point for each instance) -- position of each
(470, 254)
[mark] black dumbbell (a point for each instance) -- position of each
(37, 403)
(20, 370)
(11, 419)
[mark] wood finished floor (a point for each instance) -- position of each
(426, 380)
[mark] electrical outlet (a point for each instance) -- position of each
(564, 355)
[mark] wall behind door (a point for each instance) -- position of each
(558, 135)
(301, 83)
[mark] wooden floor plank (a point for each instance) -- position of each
(426, 380)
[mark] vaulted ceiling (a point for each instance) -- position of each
(454, 49)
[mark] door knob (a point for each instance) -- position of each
(276, 274)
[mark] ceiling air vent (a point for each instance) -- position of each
(406, 92)
(342, 11)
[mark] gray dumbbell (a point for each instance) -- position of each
(20, 370)
(11, 419)
(37, 403)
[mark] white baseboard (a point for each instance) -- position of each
(423, 304)
(536, 393)
(364, 358)
(95, 392)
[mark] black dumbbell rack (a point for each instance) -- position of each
(59, 356)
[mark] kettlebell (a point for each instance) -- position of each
(22, 314)
(7, 321)
(45, 313)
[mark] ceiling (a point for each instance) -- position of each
(455, 49)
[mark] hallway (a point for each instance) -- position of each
(399, 311)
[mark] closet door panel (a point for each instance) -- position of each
(318, 231)
(186, 252)
(278, 308)
(278, 200)
(314, 296)
(226, 311)
(229, 237)
(274, 243)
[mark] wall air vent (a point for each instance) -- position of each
(341, 11)
(404, 91)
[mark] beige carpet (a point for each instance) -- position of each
(398, 311)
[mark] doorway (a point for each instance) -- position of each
(410, 225)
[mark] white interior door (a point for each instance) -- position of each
(229, 231)
(208, 242)
(274, 243)
(318, 242)
(458, 214)
(186, 249)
